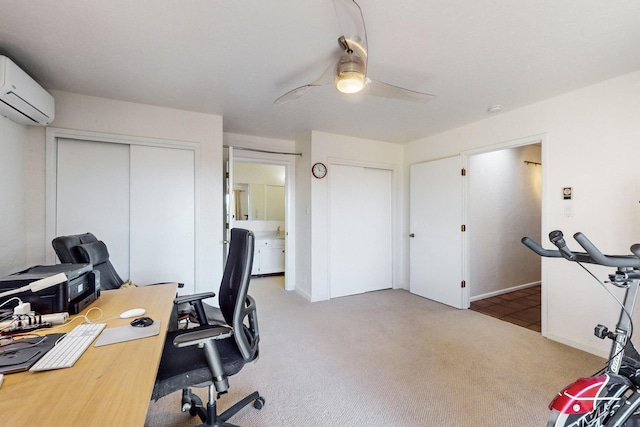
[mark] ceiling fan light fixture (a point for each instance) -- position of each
(350, 82)
(351, 76)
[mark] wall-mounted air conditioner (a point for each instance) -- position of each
(21, 98)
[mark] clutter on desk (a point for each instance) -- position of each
(81, 288)
(18, 354)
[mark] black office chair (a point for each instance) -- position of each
(86, 248)
(64, 246)
(207, 355)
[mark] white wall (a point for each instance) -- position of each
(22, 211)
(303, 218)
(591, 143)
(87, 113)
(255, 173)
(328, 148)
(504, 203)
(13, 201)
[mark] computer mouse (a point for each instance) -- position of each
(132, 313)
(141, 322)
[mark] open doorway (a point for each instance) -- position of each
(259, 205)
(505, 204)
(259, 196)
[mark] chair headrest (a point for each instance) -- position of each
(95, 253)
(65, 246)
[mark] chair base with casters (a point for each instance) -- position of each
(209, 416)
(205, 351)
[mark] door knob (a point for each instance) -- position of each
(412, 235)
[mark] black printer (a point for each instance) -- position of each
(81, 288)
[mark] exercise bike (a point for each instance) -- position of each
(611, 397)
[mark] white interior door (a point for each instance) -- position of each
(162, 216)
(360, 230)
(435, 225)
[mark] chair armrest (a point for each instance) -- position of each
(193, 297)
(201, 336)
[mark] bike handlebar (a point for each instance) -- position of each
(557, 239)
(593, 255)
(548, 253)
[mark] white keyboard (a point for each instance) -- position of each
(70, 348)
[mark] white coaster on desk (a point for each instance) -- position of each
(126, 333)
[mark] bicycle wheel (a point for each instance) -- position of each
(557, 419)
(589, 402)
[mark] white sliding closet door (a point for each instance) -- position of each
(92, 190)
(162, 215)
(360, 229)
(139, 199)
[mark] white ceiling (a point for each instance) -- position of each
(235, 57)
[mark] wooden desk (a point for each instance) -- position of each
(107, 386)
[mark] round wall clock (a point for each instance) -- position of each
(319, 170)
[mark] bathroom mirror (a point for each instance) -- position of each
(258, 191)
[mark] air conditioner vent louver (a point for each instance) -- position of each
(22, 99)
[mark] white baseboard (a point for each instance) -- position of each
(504, 291)
(598, 351)
(303, 294)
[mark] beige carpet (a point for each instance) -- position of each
(390, 358)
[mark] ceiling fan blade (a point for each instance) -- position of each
(293, 94)
(386, 90)
(352, 25)
(327, 77)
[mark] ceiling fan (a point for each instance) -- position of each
(349, 72)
